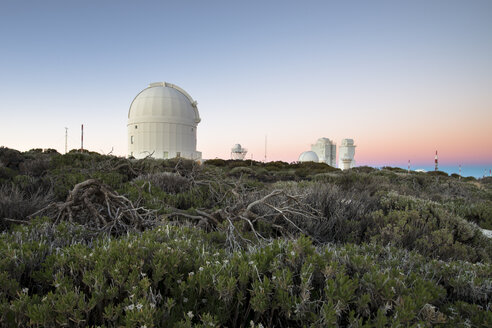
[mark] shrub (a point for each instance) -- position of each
(166, 181)
(241, 170)
(216, 162)
(16, 204)
(437, 173)
(10, 158)
(175, 276)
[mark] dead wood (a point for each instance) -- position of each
(95, 205)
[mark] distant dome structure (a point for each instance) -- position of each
(162, 122)
(308, 156)
(238, 152)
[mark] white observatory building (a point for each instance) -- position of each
(308, 156)
(326, 151)
(346, 154)
(162, 122)
(238, 152)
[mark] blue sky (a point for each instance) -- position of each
(402, 78)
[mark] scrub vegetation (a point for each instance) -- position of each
(94, 240)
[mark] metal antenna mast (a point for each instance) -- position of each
(265, 148)
(66, 139)
(436, 163)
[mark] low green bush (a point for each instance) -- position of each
(179, 277)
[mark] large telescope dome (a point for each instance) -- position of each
(162, 122)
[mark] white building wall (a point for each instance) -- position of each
(161, 139)
(326, 151)
(346, 151)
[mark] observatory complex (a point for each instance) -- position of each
(325, 151)
(162, 122)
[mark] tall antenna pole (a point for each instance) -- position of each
(66, 139)
(408, 166)
(436, 162)
(82, 137)
(265, 148)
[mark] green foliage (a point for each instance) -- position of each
(176, 276)
(384, 247)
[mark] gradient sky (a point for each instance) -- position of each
(402, 78)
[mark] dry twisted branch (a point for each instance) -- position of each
(95, 205)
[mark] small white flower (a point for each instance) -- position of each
(260, 325)
(143, 274)
(274, 277)
(291, 253)
(90, 255)
(190, 315)
(144, 326)
(251, 323)
(208, 263)
(85, 256)
(130, 307)
(185, 300)
(217, 262)
(200, 269)
(139, 306)
(226, 261)
(25, 290)
(216, 254)
(204, 300)
(57, 285)
(152, 305)
(191, 273)
(179, 281)
(251, 263)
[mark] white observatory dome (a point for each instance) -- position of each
(237, 148)
(162, 121)
(308, 156)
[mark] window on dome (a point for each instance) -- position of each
(131, 140)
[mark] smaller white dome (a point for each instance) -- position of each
(308, 156)
(237, 148)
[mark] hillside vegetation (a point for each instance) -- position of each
(93, 240)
